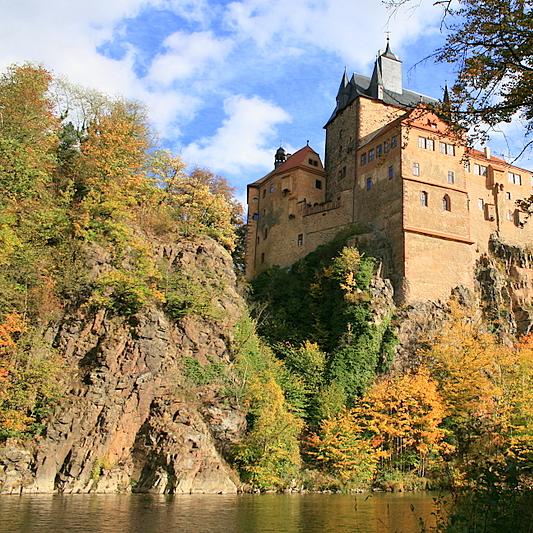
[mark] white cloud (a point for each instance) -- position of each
(187, 54)
(64, 36)
(243, 141)
(352, 30)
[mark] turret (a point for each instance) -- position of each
(387, 75)
(280, 157)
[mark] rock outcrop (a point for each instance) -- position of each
(132, 419)
(505, 279)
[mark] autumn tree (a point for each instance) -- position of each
(486, 387)
(342, 448)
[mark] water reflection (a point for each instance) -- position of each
(271, 513)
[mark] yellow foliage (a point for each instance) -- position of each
(342, 448)
(269, 454)
(403, 417)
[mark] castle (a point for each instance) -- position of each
(421, 204)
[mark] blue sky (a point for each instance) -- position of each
(226, 82)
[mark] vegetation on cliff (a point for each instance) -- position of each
(81, 177)
(86, 197)
(322, 305)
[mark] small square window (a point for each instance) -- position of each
(416, 169)
(368, 183)
(480, 170)
(516, 179)
(318, 184)
(451, 176)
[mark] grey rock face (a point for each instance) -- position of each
(132, 421)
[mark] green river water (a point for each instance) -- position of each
(272, 513)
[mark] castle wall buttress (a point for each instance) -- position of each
(341, 145)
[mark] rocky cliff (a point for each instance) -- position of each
(132, 419)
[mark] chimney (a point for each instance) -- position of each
(487, 152)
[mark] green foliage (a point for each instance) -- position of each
(268, 456)
(199, 374)
(354, 364)
(323, 302)
(32, 377)
(186, 294)
(121, 292)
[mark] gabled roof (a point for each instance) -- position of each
(299, 158)
(364, 86)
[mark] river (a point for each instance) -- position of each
(270, 513)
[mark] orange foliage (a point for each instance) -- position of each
(13, 323)
(403, 417)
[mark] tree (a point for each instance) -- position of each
(490, 42)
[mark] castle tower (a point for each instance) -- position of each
(387, 75)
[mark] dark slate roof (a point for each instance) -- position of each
(388, 52)
(364, 86)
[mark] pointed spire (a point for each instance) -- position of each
(446, 96)
(387, 49)
(388, 52)
(342, 93)
(344, 82)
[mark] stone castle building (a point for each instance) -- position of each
(420, 203)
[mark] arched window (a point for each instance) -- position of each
(446, 203)
(424, 198)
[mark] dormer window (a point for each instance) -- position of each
(313, 162)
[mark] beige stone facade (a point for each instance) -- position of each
(395, 174)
